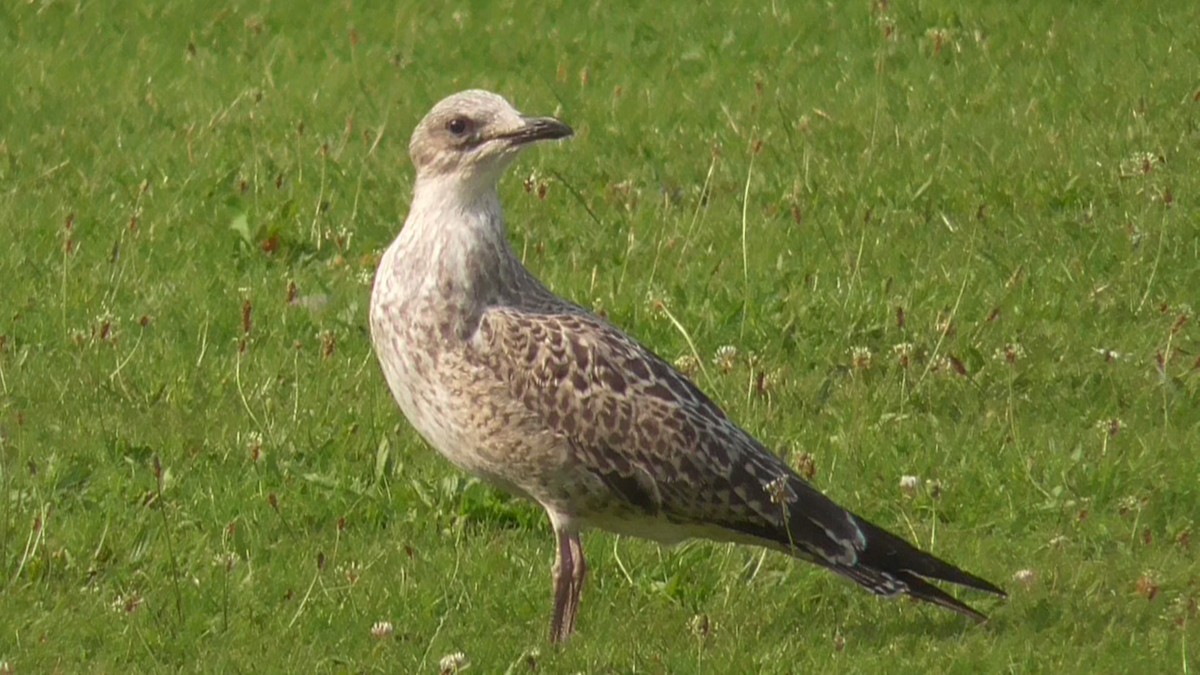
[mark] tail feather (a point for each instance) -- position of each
(820, 531)
(881, 562)
(927, 592)
(892, 584)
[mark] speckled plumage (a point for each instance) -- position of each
(545, 400)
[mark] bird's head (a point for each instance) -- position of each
(472, 136)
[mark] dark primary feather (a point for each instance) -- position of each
(665, 451)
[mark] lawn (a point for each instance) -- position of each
(892, 239)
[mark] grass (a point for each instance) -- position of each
(200, 465)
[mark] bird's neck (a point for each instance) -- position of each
(455, 242)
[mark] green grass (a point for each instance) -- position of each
(180, 493)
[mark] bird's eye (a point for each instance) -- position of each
(457, 126)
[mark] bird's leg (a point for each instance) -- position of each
(569, 572)
(580, 573)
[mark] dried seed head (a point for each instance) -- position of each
(247, 321)
(687, 364)
(934, 488)
(806, 466)
(779, 492)
(1147, 585)
(701, 626)
(328, 344)
(945, 324)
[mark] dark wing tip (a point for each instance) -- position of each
(924, 591)
(981, 584)
(890, 553)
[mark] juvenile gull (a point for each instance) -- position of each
(547, 401)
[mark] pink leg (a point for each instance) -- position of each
(569, 571)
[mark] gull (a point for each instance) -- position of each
(545, 400)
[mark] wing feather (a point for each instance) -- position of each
(650, 435)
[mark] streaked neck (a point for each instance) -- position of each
(455, 239)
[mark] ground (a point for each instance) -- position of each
(892, 239)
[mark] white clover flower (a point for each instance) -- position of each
(1138, 164)
(126, 604)
(771, 379)
(342, 237)
(254, 445)
(1110, 427)
(909, 485)
(383, 630)
(352, 571)
(725, 357)
(656, 300)
(454, 663)
(941, 39)
(532, 181)
(860, 358)
(1010, 353)
(227, 560)
(1025, 577)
